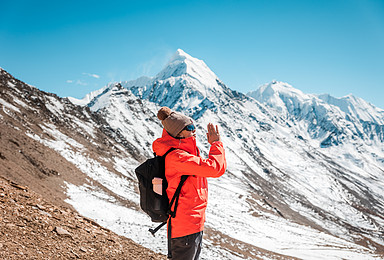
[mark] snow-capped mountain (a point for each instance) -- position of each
(356, 107)
(291, 154)
(185, 83)
(330, 120)
(305, 173)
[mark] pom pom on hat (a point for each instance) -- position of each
(163, 113)
(172, 121)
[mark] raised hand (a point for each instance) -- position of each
(213, 133)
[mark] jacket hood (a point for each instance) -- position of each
(161, 145)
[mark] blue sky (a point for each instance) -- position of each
(319, 46)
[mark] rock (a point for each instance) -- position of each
(62, 231)
(111, 240)
(27, 219)
(76, 255)
(92, 221)
(98, 232)
(45, 213)
(18, 186)
(40, 207)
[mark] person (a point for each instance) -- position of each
(179, 132)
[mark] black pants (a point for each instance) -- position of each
(187, 247)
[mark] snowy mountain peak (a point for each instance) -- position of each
(88, 98)
(356, 107)
(180, 55)
(275, 89)
(182, 64)
(276, 93)
(329, 120)
(184, 83)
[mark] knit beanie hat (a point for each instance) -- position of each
(172, 121)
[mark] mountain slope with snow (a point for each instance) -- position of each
(329, 120)
(305, 178)
(357, 108)
(292, 157)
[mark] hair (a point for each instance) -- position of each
(163, 113)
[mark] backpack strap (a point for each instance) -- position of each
(170, 150)
(169, 237)
(175, 198)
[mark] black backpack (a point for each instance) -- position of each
(157, 206)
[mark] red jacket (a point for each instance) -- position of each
(186, 160)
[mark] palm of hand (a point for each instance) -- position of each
(213, 133)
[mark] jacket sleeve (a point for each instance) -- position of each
(188, 164)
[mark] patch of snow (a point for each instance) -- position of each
(125, 166)
(88, 127)
(21, 103)
(54, 105)
(11, 85)
(92, 168)
(9, 106)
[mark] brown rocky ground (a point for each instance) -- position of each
(33, 228)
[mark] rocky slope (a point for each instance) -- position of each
(33, 228)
